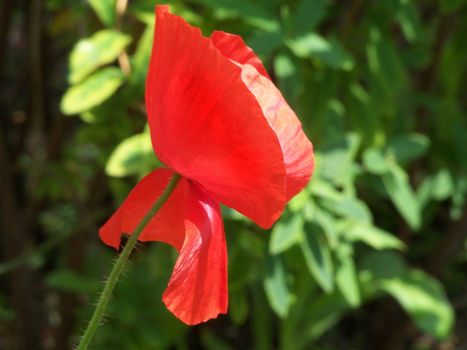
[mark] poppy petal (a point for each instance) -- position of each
(232, 46)
(166, 226)
(297, 149)
(197, 290)
(206, 125)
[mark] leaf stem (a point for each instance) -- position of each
(120, 264)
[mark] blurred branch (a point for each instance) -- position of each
(35, 66)
(7, 198)
(123, 59)
(13, 242)
(33, 252)
(23, 290)
(6, 7)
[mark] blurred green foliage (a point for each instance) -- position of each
(358, 76)
(380, 89)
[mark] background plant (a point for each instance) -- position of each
(371, 255)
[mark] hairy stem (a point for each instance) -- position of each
(120, 265)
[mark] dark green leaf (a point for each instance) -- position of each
(405, 148)
(402, 195)
(318, 257)
(287, 232)
(308, 15)
(346, 276)
(276, 287)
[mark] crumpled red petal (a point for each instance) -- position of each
(208, 127)
(296, 148)
(197, 290)
(166, 226)
(232, 46)
(192, 223)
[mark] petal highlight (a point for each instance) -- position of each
(166, 226)
(296, 148)
(233, 47)
(197, 290)
(206, 125)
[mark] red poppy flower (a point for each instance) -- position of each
(216, 119)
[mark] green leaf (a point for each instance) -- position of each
(335, 163)
(276, 288)
(331, 53)
(407, 16)
(423, 298)
(299, 202)
(381, 265)
(442, 186)
(105, 10)
(397, 186)
(89, 54)
(327, 222)
(424, 192)
(386, 67)
(346, 276)
(92, 92)
(374, 161)
(323, 189)
(348, 207)
(286, 70)
(324, 312)
(308, 15)
(371, 235)
(286, 233)
(318, 257)
(140, 60)
(419, 294)
(405, 148)
(133, 156)
(361, 108)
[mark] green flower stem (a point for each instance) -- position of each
(120, 265)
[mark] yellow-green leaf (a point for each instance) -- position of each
(91, 53)
(92, 92)
(134, 156)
